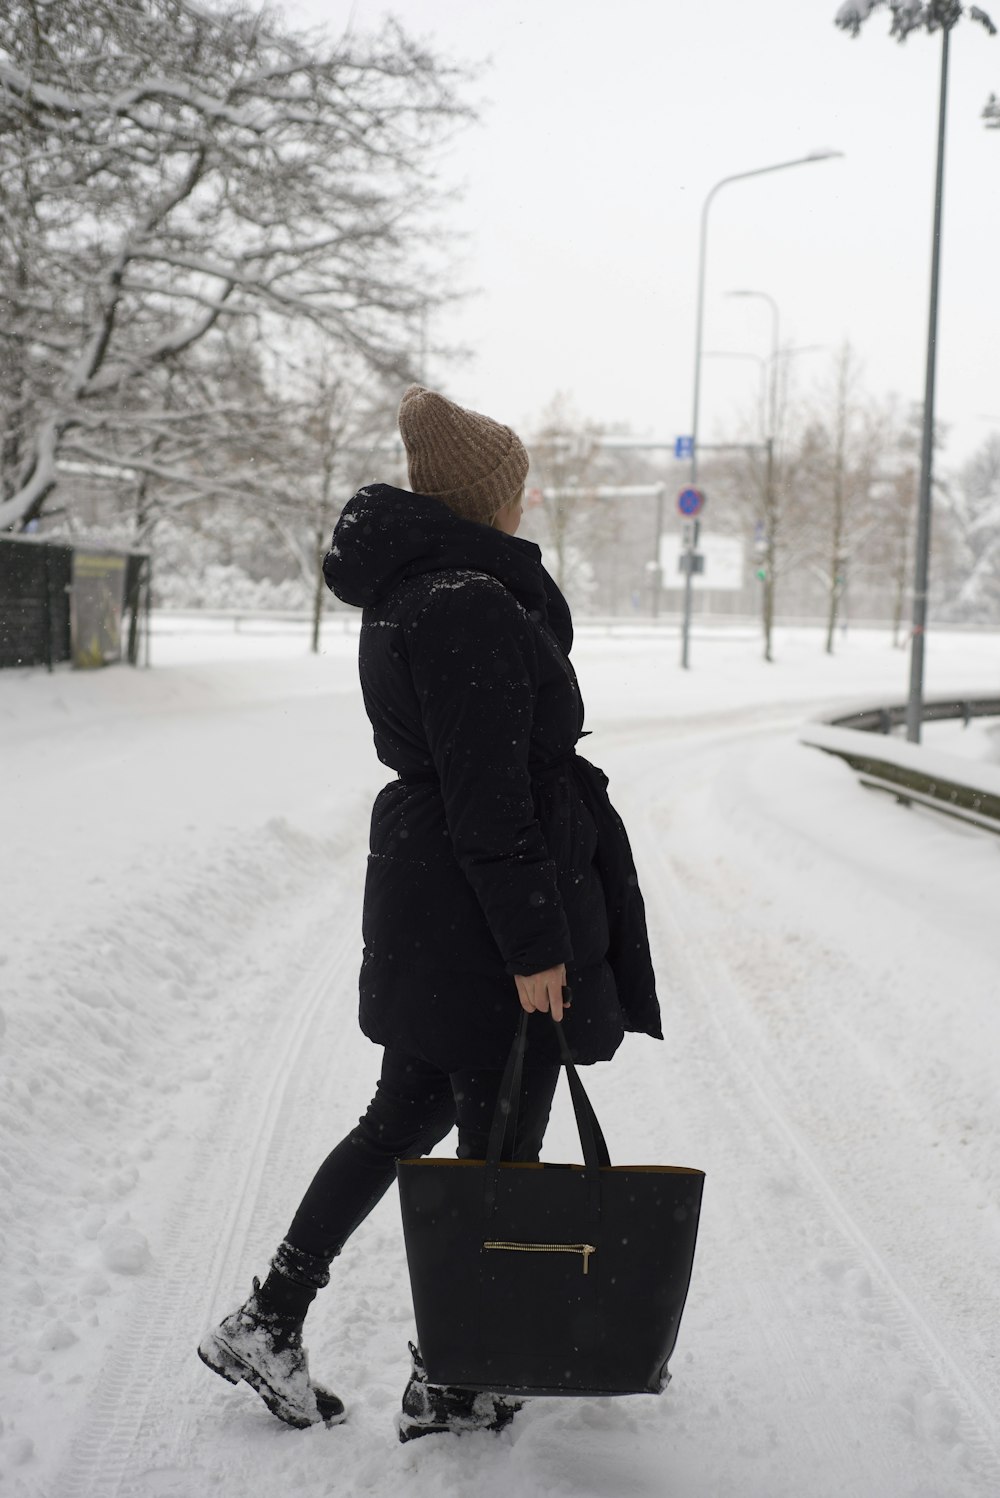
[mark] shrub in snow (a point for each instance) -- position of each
(219, 585)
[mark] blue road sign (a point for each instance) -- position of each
(683, 447)
(690, 501)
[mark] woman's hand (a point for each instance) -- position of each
(543, 991)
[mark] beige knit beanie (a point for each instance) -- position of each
(472, 464)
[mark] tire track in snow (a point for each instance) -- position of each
(121, 1449)
(734, 1056)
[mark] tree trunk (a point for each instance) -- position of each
(897, 608)
(560, 540)
(770, 527)
(831, 619)
(319, 592)
(837, 535)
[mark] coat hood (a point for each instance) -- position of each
(386, 536)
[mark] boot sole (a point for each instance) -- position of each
(412, 1430)
(221, 1358)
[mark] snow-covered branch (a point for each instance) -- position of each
(187, 480)
(84, 106)
(975, 14)
(910, 15)
(160, 350)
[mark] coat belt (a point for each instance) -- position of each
(536, 771)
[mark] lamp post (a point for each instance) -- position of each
(921, 570)
(759, 171)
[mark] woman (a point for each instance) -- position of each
(498, 869)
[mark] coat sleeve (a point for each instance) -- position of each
(473, 660)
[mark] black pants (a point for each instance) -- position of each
(414, 1107)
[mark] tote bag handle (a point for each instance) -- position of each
(592, 1142)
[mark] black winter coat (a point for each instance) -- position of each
(496, 851)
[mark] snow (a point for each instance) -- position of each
(182, 861)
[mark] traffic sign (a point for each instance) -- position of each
(683, 447)
(724, 568)
(690, 501)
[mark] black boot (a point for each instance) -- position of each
(261, 1343)
(431, 1409)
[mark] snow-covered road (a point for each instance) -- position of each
(836, 1020)
(178, 967)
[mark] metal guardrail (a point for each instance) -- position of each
(965, 789)
(885, 719)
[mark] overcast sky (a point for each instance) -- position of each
(603, 126)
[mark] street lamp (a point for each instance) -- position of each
(760, 171)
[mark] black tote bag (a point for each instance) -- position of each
(548, 1279)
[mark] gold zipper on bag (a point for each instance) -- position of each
(585, 1249)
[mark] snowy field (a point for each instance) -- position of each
(182, 860)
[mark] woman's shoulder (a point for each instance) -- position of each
(460, 592)
(465, 612)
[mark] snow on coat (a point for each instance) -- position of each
(496, 850)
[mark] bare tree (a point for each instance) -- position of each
(774, 487)
(880, 538)
(169, 176)
(340, 425)
(897, 507)
(848, 433)
(565, 463)
(900, 516)
(839, 492)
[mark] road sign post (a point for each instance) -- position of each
(657, 575)
(690, 503)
